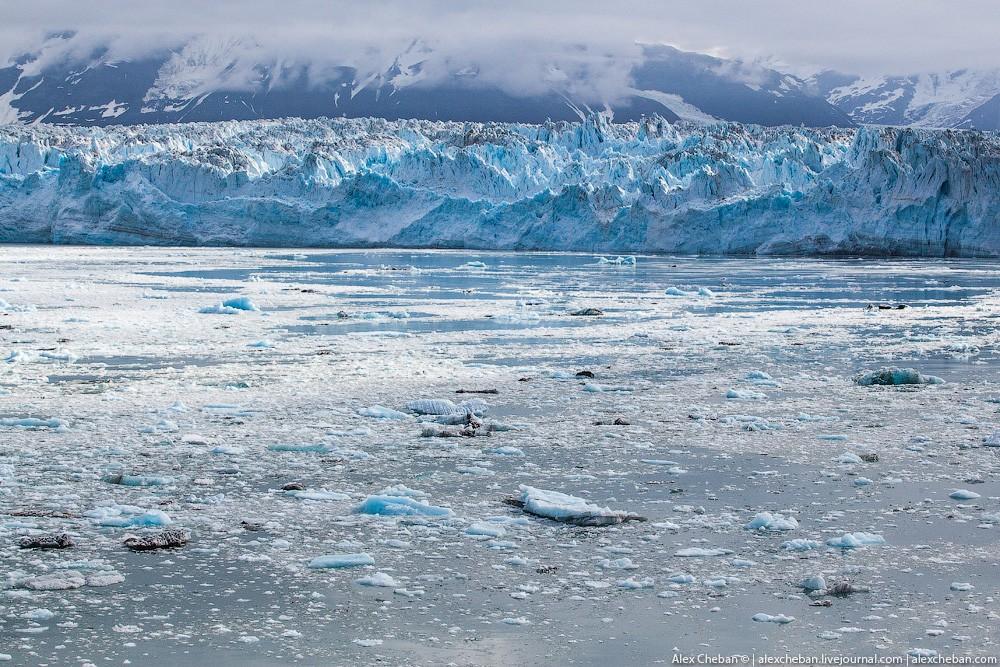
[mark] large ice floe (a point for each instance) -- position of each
(594, 186)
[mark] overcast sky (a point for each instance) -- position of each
(862, 36)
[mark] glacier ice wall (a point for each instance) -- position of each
(591, 186)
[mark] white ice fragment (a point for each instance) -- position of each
(855, 540)
(780, 619)
(337, 561)
(379, 580)
(765, 521)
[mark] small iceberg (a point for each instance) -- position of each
(701, 552)
(780, 619)
(231, 306)
(745, 395)
(767, 522)
(432, 406)
(393, 505)
(963, 494)
(381, 412)
(855, 540)
(620, 260)
(568, 509)
(338, 561)
(893, 376)
(800, 545)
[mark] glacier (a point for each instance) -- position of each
(595, 186)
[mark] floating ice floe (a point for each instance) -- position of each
(400, 505)
(800, 544)
(620, 260)
(231, 306)
(767, 522)
(702, 552)
(381, 412)
(780, 619)
(963, 494)
(814, 582)
(596, 388)
(338, 561)
(317, 495)
(432, 406)
(855, 540)
(568, 509)
(128, 516)
(32, 423)
(961, 586)
(745, 395)
(379, 580)
(892, 376)
(138, 480)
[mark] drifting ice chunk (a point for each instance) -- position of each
(385, 505)
(337, 561)
(700, 552)
(815, 582)
(31, 422)
(128, 516)
(317, 495)
(800, 545)
(855, 540)
(745, 395)
(599, 388)
(627, 260)
(780, 619)
(379, 579)
(963, 494)
(568, 509)
(765, 521)
(432, 406)
(138, 480)
(481, 529)
(240, 303)
(380, 412)
(891, 375)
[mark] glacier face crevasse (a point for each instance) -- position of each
(592, 186)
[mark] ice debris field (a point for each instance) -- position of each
(649, 186)
(252, 457)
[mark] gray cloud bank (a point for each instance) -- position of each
(584, 47)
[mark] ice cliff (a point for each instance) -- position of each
(592, 186)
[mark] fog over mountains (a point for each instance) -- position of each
(69, 79)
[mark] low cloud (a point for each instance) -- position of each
(585, 47)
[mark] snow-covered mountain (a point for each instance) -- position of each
(958, 99)
(233, 79)
(592, 186)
